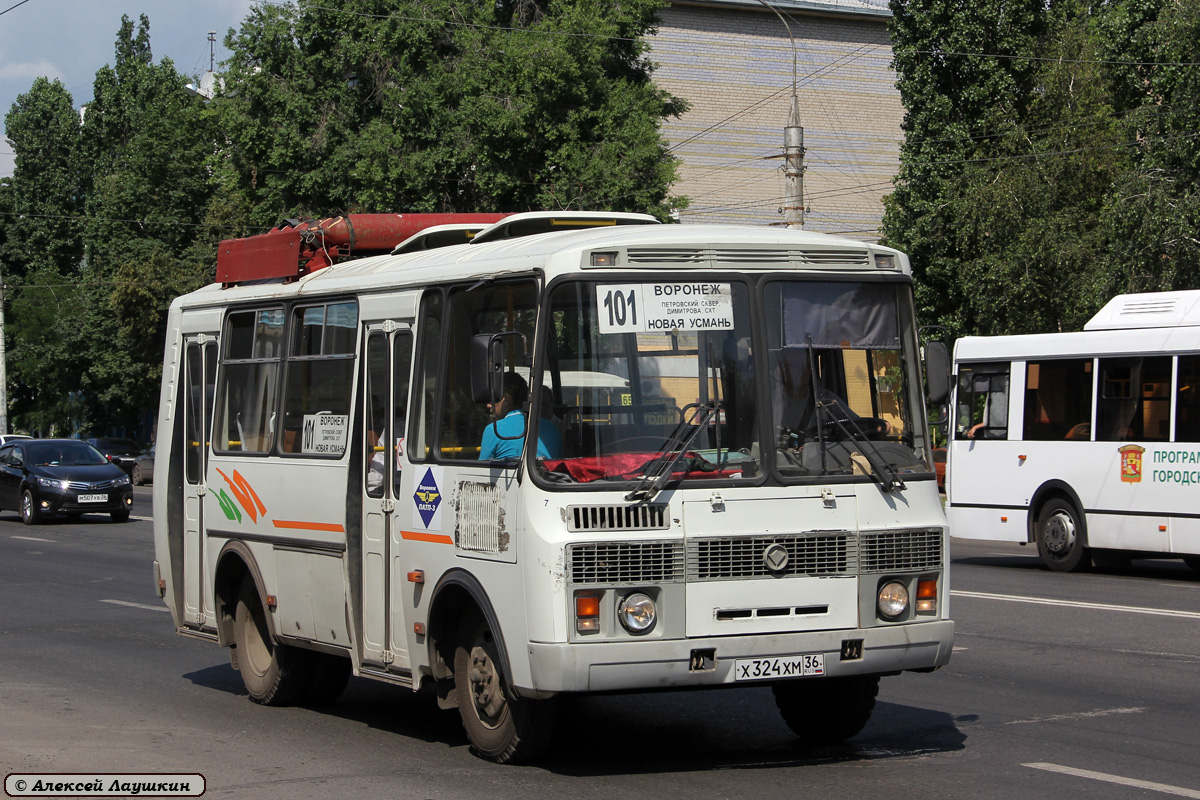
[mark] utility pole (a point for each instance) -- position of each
(212, 52)
(793, 154)
(793, 145)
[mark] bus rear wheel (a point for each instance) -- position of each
(1060, 537)
(274, 674)
(501, 728)
(825, 711)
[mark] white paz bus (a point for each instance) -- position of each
(706, 463)
(1086, 443)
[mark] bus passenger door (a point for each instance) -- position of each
(387, 363)
(199, 381)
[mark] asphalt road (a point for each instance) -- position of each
(1061, 686)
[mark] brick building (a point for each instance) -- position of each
(732, 60)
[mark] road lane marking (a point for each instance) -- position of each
(33, 539)
(1179, 791)
(136, 605)
(1046, 601)
(1103, 712)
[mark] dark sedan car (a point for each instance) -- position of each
(143, 468)
(43, 477)
(121, 452)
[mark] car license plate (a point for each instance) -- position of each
(761, 669)
(93, 498)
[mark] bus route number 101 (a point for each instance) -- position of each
(621, 308)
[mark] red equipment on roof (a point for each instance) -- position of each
(292, 251)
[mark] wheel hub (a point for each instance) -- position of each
(485, 689)
(1060, 534)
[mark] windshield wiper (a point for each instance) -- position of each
(883, 472)
(653, 481)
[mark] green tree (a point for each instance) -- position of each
(1153, 213)
(381, 106)
(148, 146)
(41, 257)
(964, 79)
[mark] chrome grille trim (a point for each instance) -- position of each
(900, 551)
(625, 562)
(618, 518)
(741, 557)
(80, 486)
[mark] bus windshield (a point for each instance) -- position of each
(641, 375)
(658, 382)
(842, 383)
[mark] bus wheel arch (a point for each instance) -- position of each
(457, 595)
(235, 565)
(473, 673)
(1059, 527)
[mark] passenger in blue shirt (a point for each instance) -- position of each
(504, 438)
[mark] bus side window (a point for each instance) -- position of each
(1187, 402)
(1058, 400)
(982, 402)
(1135, 399)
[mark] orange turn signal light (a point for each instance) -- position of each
(416, 576)
(587, 613)
(927, 595)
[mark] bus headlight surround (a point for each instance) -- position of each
(893, 599)
(637, 612)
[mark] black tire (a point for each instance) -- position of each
(120, 515)
(825, 711)
(330, 674)
(502, 729)
(1060, 537)
(137, 475)
(274, 674)
(30, 513)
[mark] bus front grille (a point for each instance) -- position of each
(625, 562)
(617, 518)
(742, 557)
(901, 551)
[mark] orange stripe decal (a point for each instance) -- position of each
(245, 484)
(436, 538)
(331, 527)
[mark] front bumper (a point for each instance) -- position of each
(52, 503)
(665, 664)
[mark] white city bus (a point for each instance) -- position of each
(1087, 443)
(321, 509)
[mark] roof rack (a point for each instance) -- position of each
(297, 248)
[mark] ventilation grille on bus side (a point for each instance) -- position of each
(625, 562)
(900, 551)
(823, 553)
(617, 518)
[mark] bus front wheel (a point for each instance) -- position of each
(825, 711)
(1060, 537)
(502, 729)
(274, 674)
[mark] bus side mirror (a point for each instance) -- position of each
(487, 368)
(937, 373)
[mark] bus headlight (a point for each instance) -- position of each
(637, 612)
(893, 599)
